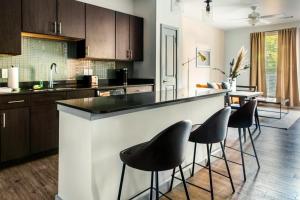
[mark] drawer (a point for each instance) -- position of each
(47, 98)
(139, 89)
(14, 101)
(81, 94)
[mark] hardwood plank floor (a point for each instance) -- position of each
(278, 178)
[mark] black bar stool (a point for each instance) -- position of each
(214, 130)
(165, 151)
(243, 119)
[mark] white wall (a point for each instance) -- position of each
(147, 10)
(236, 38)
(197, 34)
(125, 6)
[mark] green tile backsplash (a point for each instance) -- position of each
(38, 54)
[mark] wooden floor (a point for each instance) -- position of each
(278, 178)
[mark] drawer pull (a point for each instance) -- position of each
(3, 120)
(19, 101)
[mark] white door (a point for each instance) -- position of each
(168, 63)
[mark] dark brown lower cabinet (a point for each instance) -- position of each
(44, 128)
(14, 134)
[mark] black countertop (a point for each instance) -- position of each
(64, 88)
(112, 104)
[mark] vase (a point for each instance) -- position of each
(232, 82)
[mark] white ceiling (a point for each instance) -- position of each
(227, 13)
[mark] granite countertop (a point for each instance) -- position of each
(112, 104)
(66, 88)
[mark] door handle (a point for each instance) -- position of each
(164, 81)
(19, 101)
(55, 27)
(59, 28)
(87, 50)
(3, 120)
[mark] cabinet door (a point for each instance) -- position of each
(44, 128)
(10, 27)
(39, 16)
(71, 18)
(137, 38)
(122, 36)
(100, 33)
(14, 134)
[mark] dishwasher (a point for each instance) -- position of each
(111, 92)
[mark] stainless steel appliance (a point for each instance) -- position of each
(111, 92)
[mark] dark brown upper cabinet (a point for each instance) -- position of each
(39, 16)
(129, 37)
(71, 18)
(122, 36)
(10, 27)
(136, 38)
(54, 17)
(100, 33)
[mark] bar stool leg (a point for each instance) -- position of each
(242, 153)
(151, 187)
(172, 180)
(157, 185)
(121, 182)
(210, 175)
(227, 167)
(210, 149)
(245, 135)
(184, 184)
(194, 159)
(254, 148)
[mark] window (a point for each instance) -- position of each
(271, 45)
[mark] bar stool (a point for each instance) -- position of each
(243, 119)
(214, 130)
(165, 151)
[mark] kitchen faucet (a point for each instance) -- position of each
(51, 83)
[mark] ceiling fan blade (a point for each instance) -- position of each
(263, 21)
(272, 16)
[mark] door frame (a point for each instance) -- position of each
(162, 26)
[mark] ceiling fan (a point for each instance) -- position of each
(255, 17)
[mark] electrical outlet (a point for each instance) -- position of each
(85, 72)
(4, 73)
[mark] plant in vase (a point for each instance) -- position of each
(235, 68)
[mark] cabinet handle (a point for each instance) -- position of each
(3, 120)
(55, 27)
(59, 27)
(19, 101)
(87, 50)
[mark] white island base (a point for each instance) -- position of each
(89, 163)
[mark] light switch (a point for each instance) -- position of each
(90, 71)
(4, 73)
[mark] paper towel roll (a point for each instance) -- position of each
(13, 78)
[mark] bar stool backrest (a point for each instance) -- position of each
(168, 147)
(243, 117)
(214, 129)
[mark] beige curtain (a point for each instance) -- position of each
(258, 75)
(287, 80)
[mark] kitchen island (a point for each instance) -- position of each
(93, 131)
